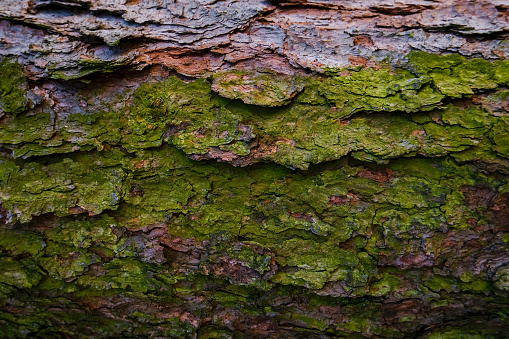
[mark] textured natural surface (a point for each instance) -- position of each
(254, 169)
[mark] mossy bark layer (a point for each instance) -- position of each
(313, 200)
(406, 210)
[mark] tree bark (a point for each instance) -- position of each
(254, 169)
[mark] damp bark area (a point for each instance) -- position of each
(254, 169)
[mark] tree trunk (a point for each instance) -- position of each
(254, 168)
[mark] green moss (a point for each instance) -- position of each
(22, 274)
(438, 283)
(403, 193)
(422, 62)
(381, 90)
(86, 67)
(472, 117)
(13, 85)
(318, 263)
(199, 119)
(161, 194)
(477, 286)
(361, 318)
(500, 137)
(26, 128)
(257, 89)
(37, 318)
(502, 279)
(249, 239)
(384, 283)
(501, 72)
(85, 183)
(312, 127)
(92, 129)
(19, 242)
(311, 93)
(123, 274)
(454, 76)
(215, 332)
(101, 231)
(63, 262)
(302, 218)
(474, 331)
(251, 258)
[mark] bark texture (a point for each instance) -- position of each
(254, 169)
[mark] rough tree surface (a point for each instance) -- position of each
(254, 168)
